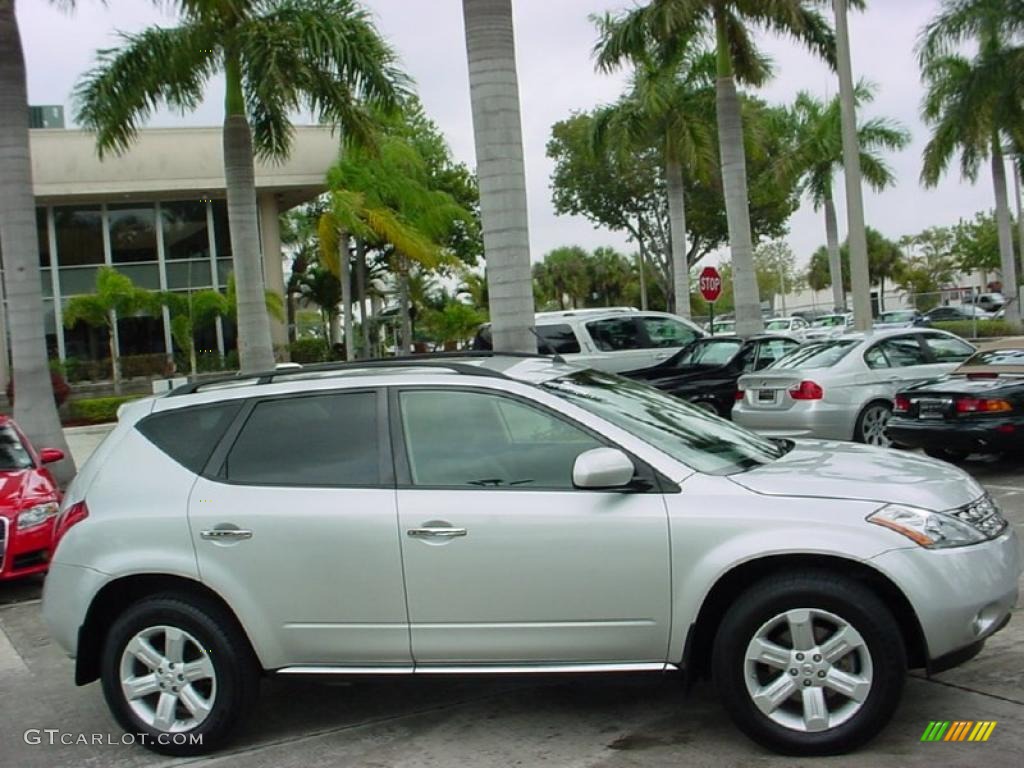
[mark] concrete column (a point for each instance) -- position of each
(5, 372)
(273, 270)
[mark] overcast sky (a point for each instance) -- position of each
(556, 76)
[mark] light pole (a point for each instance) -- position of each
(859, 275)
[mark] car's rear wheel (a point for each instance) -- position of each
(178, 671)
(873, 425)
(809, 663)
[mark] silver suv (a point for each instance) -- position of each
(508, 515)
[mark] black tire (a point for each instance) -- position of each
(822, 591)
(859, 430)
(235, 667)
(953, 457)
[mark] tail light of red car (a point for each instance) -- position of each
(73, 515)
(807, 390)
(982, 405)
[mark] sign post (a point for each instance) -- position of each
(711, 288)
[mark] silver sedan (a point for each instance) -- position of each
(843, 388)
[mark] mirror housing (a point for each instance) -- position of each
(603, 469)
(51, 455)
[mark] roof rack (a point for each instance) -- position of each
(449, 361)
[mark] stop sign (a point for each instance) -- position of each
(710, 284)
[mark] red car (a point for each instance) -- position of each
(29, 498)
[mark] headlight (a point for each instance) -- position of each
(36, 515)
(934, 530)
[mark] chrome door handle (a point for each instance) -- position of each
(225, 534)
(436, 533)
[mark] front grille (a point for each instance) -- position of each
(984, 514)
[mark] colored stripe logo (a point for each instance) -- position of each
(959, 730)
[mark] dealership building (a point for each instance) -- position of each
(157, 213)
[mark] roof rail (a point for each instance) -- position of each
(449, 361)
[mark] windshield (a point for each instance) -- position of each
(830, 321)
(12, 453)
(778, 325)
(689, 435)
(709, 353)
(896, 317)
(989, 357)
(821, 355)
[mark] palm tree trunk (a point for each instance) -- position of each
(1007, 259)
(345, 270)
(115, 360)
(835, 255)
(734, 181)
(364, 325)
(404, 308)
(497, 128)
(677, 222)
(642, 255)
(255, 349)
(34, 406)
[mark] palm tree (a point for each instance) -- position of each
(973, 104)
(277, 56)
(668, 105)
(818, 157)
(34, 408)
(675, 23)
(497, 128)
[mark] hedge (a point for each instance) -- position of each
(96, 410)
(307, 351)
(986, 329)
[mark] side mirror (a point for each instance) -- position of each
(51, 455)
(602, 469)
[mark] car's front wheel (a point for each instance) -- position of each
(809, 663)
(178, 672)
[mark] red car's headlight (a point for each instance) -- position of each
(37, 515)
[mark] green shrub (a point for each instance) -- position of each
(96, 410)
(148, 366)
(87, 370)
(307, 351)
(986, 329)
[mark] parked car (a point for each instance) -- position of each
(705, 373)
(721, 328)
(29, 497)
(843, 389)
(898, 318)
(795, 327)
(829, 327)
(954, 313)
(614, 340)
(979, 408)
(989, 302)
(509, 515)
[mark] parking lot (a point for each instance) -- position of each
(625, 721)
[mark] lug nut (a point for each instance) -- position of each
(821, 674)
(807, 682)
(799, 657)
(817, 657)
(793, 672)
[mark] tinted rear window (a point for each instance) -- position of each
(557, 339)
(189, 435)
(823, 355)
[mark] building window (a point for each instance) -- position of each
(43, 232)
(185, 230)
(221, 232)
(132, 233)
(188, 275)
(79, 235)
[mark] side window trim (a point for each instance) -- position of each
(400, 454)
(217, 463)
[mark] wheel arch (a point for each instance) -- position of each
(701, 634)
(120, 593)
(873, 400)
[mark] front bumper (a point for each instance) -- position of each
(23, 553)
(961, 596)
(990, 436)
(817, 419)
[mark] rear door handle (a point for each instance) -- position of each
(436, 533)
(225, 534)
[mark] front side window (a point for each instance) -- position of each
(665, 332)
(13, 455)
(616, 334)
(316, 441)
(904, 352)
(459, 439)
(709, 352)
(557, 339)
(947, 349)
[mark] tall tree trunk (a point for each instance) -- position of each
(835, 254)
(115, 359)
(255, 349)
(404, 308)
(1017, 159)
(345, 270)
(860, 274)
(734, 181)
(1007, 260)
(34, 406)
(677, 221)
(364, 324)
(497, 128)
(642, 256)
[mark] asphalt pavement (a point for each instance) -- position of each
(616, 721)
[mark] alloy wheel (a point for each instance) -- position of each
(874, 426)
(808, 670)
(168, 679)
